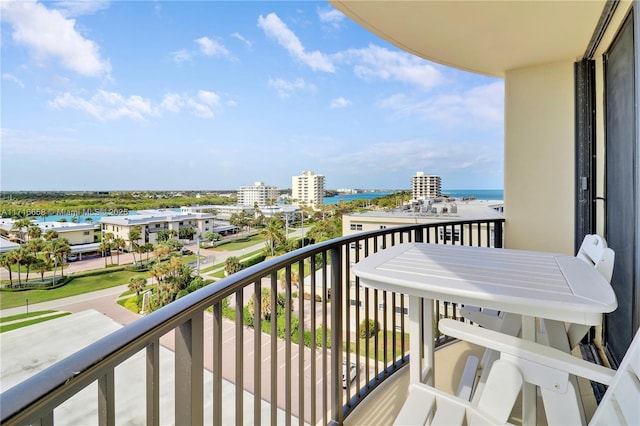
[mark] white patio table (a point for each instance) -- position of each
(532, 284)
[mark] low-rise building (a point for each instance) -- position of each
(219, 211)
(75, 233)
(427, 211)
(151, 222)
(418, 212)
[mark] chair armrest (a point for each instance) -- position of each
(529, 351)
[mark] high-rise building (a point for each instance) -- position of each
(426, 186)
(307, 189)
(259, 193)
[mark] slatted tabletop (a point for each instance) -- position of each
(538, 284)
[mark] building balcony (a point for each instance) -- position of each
(221, 371)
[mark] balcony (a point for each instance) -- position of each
(275, 380)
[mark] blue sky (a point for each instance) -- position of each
(155, 95)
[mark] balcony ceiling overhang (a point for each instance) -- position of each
(486, 37)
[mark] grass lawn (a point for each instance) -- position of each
(221, 265)
(239, 245)
(23, 316)
(80, 285)
(21, 324)
(398, 348)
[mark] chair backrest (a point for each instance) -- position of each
(621, 403)
(594, 251)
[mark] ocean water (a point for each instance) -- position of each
(479, 194)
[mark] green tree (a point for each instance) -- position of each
(59, 249)
(35, 246)
(34, 231)
(104, 248)
(137, 284)
(21, 225)
(232, 265)
(273, 234)
(173, 244)
(165, 234)
(119, 244)
(50, 235)
(134, 235)
(160, 251)
(108, 238)
(265, 304)
(6, 261)
(29, 260)
(186, 233)
(19, 256)
(326, 229)
(148, 248)
(42, 265)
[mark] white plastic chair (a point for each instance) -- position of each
(593, 250)
(524, 361)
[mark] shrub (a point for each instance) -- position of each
(307, 296)
(252, 261)
(247, 317)
(369, 328)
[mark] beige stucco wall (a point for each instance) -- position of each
(539, 158)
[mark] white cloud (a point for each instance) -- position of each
(275, 28)
(209, 47)
(340, 103)
(181, 56)
(332, 17)
(109, 106)
(106, 106)
(377, 63)
(80, 7)
(13, 79)
(48, 34)
(242, 39)
(287, 88)
(172, 102)
(206, 47)
(480, 106)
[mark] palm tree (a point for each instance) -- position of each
(273, 234)
(50, 235)
(119, 243)
(19, 255)
(108, 239)
(35, 246)
(134, 236)
(148, 248)
(104, 246)
(232, 265)
(161, 250)
(137, 284)
(59, 250)
(6, 260)
(34, 231)
(20, 225)
(29, 259)
(42, 266)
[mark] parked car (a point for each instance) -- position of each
(353, 371)
(72, 257)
